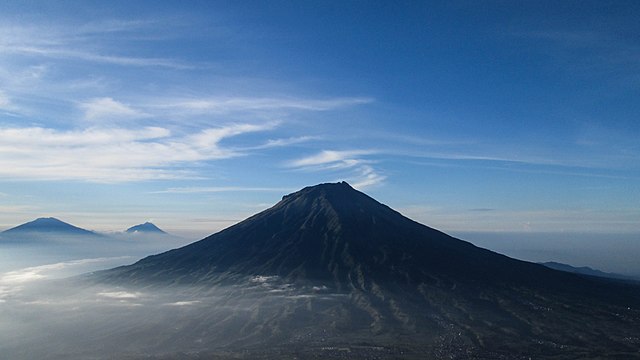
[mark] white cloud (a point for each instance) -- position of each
(107, 108)
(5, 103)
(216, 189)
(111, 155)
(184, 303)
(286, 142)
(64, 43)
(331, 158)
(368, 177)
(234, 104)
(119, 295)
(362, 174)
(19, 138)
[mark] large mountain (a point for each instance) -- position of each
(328, 267)
(336, 234)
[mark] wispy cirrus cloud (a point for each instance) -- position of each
(16, 209)
(5, 103)
(219, 189)
(330, 159)
(184, 303)
(367, 176)
(107, 108)
(120, 295)
(286, 141)
(112, 155)
(86, 55)
(67, 43)
(246, 104)
(361, 172)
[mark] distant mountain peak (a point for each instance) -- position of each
(147, 227)
(48, 225)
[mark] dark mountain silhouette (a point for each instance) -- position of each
(332, 232)
(147, 228)
(330, 265)
(47, 226)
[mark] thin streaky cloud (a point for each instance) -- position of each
(38, 136)
(74, 44)
(184, 303)
(220, 189)
(367, 177)
(120, 295)
(113, 155)
(5, 102)
(329, 157)
(13, 209)
(288, 141)
(107, 108)
(361, 174)
(275, 143)
(114, 26)
(233, 104)
(70, 54)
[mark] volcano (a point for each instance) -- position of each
(334, 233)
(146, 228)
(46, 228)
(351, 273)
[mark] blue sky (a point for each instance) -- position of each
(466, 116)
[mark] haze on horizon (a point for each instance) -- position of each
(514, 124)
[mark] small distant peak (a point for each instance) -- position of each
(147, 227)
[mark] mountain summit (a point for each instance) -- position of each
(48, 226)
(147, 228)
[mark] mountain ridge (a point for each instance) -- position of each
(587, 271)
